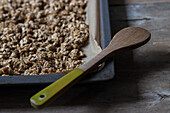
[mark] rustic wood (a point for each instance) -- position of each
(122, 2)
(142, 77)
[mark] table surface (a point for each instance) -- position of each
(142, 81)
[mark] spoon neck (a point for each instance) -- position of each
(96, 60)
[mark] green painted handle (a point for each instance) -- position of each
(54, 90)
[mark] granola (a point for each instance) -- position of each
(41, 36)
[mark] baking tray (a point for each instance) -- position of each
(104, 74)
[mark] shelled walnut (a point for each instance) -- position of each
(41, 36)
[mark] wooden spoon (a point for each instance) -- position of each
(128, 38)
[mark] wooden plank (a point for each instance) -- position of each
(140, 12)
(154, 17)
(147, 66)
(121, 2)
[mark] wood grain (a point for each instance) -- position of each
(122, 2)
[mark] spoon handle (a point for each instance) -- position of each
(54, 90)
(51, 92)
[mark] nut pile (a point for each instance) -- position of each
(41, 36)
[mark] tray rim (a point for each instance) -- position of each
(106, 73)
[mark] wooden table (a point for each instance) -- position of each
(142, 82)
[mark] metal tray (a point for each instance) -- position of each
(105, 74)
